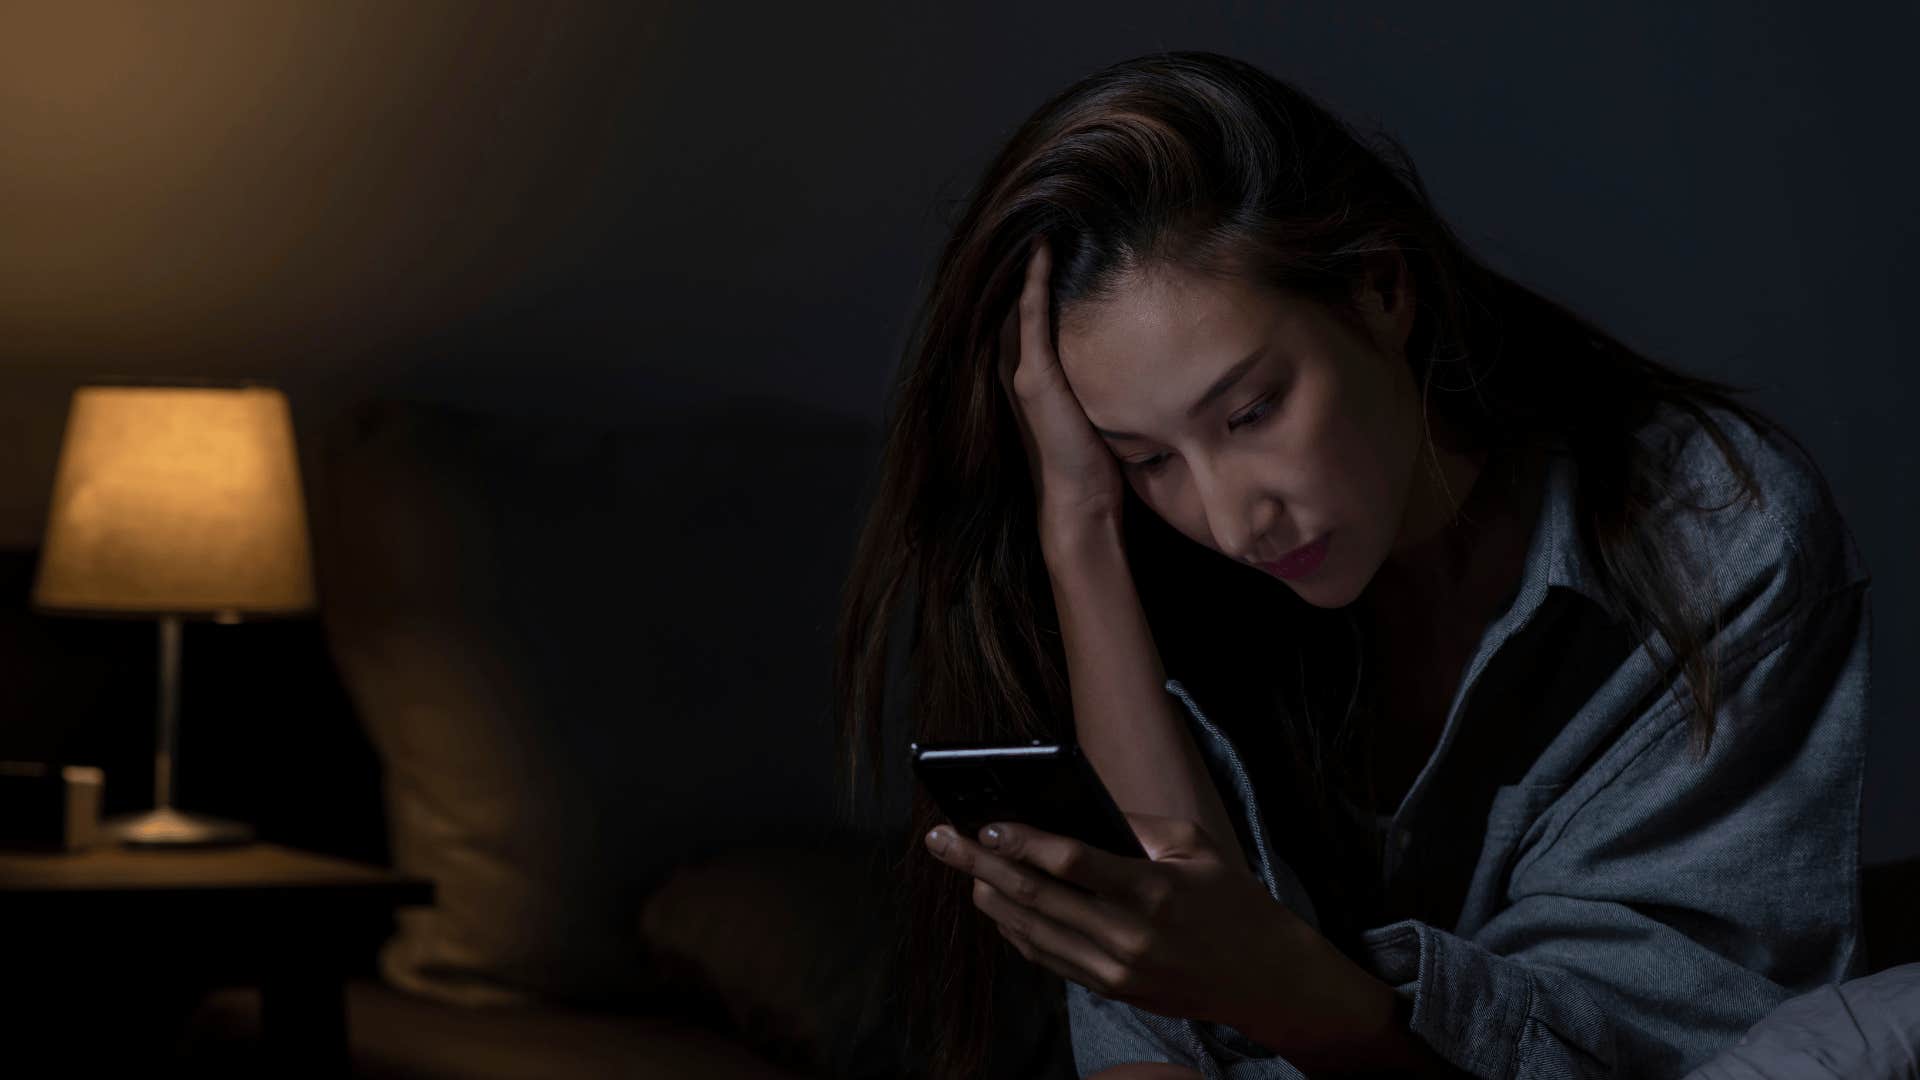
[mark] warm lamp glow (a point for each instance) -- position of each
(180, 500)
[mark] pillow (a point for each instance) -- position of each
(1863, 1029)
(583, 655)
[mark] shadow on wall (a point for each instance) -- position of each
(188, 180)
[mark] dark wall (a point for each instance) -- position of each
(576, 207)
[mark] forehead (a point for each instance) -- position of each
(1160, 330)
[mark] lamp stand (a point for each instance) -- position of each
(163, 826)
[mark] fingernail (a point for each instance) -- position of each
(990, 836)
(937, 840)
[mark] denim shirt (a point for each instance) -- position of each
(1575, 895)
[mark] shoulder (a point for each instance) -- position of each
(1766, 543)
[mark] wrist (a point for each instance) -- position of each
(1068, 542)
(1355, 1024)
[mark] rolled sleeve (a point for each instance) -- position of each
(1664, 904)
(1230, 779)
(1105, 1033)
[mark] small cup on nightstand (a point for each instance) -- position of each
(49, 808)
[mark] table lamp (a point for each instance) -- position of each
(176, 502)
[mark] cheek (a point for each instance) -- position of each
(1334, 434)
(1180, 512)
(1357, 483)
(1188, 523)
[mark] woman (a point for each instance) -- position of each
(1519, 681)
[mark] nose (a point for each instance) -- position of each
(1239, 517)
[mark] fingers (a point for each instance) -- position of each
(1030, 887)
(1043, 941)
(1099, 872)
(1075, 476)
(1036, 340)
(1010, 363)
(1050, 413)
(1023, 879)
(1009, 348)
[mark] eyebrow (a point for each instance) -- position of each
(1220, 386)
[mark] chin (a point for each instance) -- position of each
(1331, 588)
(1327, 595)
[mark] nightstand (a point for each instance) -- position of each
(108, 948)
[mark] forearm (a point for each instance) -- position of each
(1127, 725)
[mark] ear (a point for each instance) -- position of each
(1386, 300)
(1387, 285)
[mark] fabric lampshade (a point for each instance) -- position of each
(177, 500)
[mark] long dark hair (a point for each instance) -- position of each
(1208, 164)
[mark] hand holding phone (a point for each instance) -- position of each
(1049, 786)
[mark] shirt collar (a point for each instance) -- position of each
(1556, 556)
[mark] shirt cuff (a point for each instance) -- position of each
(1488, 1014)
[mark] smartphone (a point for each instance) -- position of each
(1050, 786)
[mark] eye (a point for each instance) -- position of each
(1252, 415)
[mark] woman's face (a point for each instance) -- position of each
(1316, 439)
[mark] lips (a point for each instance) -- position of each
(1300, 561)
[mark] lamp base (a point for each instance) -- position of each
(169, 828)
